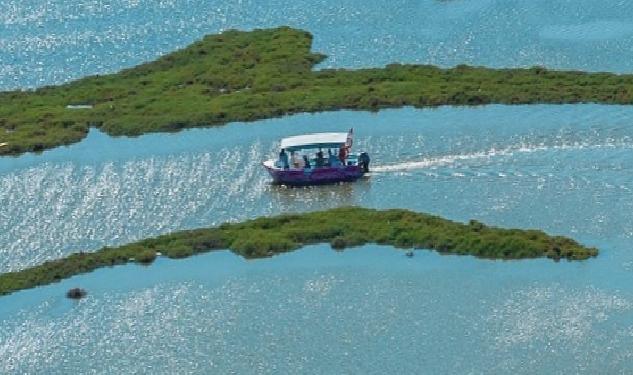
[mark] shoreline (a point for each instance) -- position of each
(341, 227)
(244, 76)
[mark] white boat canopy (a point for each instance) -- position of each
(316, 140)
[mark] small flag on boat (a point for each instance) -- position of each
(350, 139)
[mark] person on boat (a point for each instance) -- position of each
(342, 154)
(363, 161)
(283, 159)
(332, 159)
(296, 160)
(320, 160)
(306, 162)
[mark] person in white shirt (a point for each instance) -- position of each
(297, 161)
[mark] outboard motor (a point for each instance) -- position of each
(363, 161)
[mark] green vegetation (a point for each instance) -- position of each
(245, 76)
(341, 227)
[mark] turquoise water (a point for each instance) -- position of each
(492, 163)
(45, 41)
(367, 310)
(565, 169)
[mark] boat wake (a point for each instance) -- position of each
(449, 160)
(60, 208)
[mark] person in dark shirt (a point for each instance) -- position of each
(306, 162)
(283, 159)
(320, 160)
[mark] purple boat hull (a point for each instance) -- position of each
(316, 176)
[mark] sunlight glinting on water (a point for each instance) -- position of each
(192, 327)
(51, 210)
(41, 39)
(565, 169)
(538, 322)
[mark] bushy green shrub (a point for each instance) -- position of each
(341, 227)
(246, 76)
(146, 256)
(178, 250)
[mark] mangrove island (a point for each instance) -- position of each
(341, 227)
(245, 76)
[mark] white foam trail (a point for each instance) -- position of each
(51, 210)
(447, 160)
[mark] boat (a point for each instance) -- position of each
(318, 158)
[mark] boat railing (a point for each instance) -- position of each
(351, 160)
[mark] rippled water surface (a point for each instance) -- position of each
(491, 163)
(367, 311)
(565, 169)
(44, 41)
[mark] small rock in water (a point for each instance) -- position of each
(76, 293)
